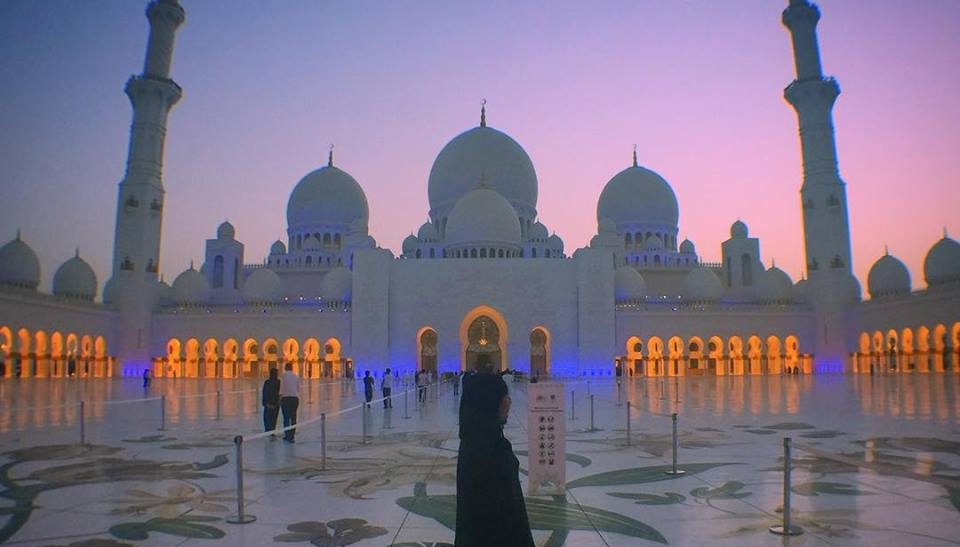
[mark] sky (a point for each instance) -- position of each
(697, 85)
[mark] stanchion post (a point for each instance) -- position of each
(406, 405)
(628, 423)
(619, 394)
(83, 425)
(573, 405)
(588, 387)
(591, 414)
(163, 413)
(323, 441)
(219, 405)
(786, 529)
(364, 412)
(241, 517)
(676, 447)
(309, 392)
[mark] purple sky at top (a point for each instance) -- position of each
(697, 85)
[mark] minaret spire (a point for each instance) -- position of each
(483, 113)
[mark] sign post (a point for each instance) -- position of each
(547, 438)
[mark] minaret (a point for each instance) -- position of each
(831, 287)
(136, 247)
(823, 194)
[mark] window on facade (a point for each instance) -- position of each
(218, 272)
(433, 253)
(746, 270)
(473, 253)
(236, 273)
(309, 260)
(533, 252)
(729, 269)
(483, 253)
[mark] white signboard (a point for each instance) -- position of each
(547, 437)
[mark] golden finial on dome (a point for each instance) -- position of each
(483, 113)
(330, 157)
(634, 155)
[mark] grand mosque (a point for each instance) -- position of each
(481, 276)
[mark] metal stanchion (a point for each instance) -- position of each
(619, 394)
(241, 517)
(406, 405)
(588, 387)
(592, 428)
(628, 423)
(83, 426)
(323, 441)
(661, 388)
(163, 413)
(219, 405)
(309, 393)
(786, 529)
(676, 448)
(364, 412)
(573, 405)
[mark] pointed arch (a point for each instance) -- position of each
(311, 358)
(655, 356)
(695, 355)
(754, 355)
(174, 366)
(792, 354)
(231, 350)
(251, 357)
(635, 362)
(428, 344)
(774, 355)
(735, 347)
(291, 354)
(100, 357)
(539, 351)
(924, 360)
(907, 352)
(333, 358)
(41, 354)
(675, 347)
(211, 358)
(499, 322)
(716, 362)
(192, 358)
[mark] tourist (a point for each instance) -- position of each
(146, 378)
(367, 386)
(386, 386)
(490, 506)
(456, 383)
(421, 380)
(289, 400)
(270, 398)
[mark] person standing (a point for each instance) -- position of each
(490, 505)
(270, 398)
(289, 400)
(386, 386)
(367, 387)
(456, 383)
(421, 386)
(146, 378)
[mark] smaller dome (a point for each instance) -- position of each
(190, 288)
(164, 292)
(109, 294)
(337, 285)
(628, 284)
(263, 286)
(687, 247)
(942, 263)
(774, 285)
(653, 243)
(427, 232)
(606, 226)
(888, 276)
(739, 230)
(19, 266)
(278, 248)
(538, 231)
(638, 195)
(226, 231)
(701, 285)
(75, 279)
(554, 242)
(483, 217)
(328, 195)
(311, 243)
(410, 244)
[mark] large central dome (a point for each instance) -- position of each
(482, 151)
(638, 195)
(328, 195)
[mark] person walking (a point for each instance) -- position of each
(146, 378)
(421, 386)
(270, 399)
(367, 387)
(289, 400)
(386, 387)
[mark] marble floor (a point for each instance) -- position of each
(876, 461)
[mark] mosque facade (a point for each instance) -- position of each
(481, 276)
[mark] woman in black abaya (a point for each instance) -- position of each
(490, 507)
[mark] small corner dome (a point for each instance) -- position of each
(75, 279)
(653, 243)
(263, 286)
(483, 217)
(278, 248)
(628, 284)
(554, 242)
(888, 276)
(190, 288)
(538, 231)
(687, 247)
(482, 152)
(942, 263)
(19, 266)
(410, 244)
(638, 195)
(327, 196)
(427, 232)
(226, 231)
(774, 285)
(800, 290)
(701, 285)
(739, 230)
(337, 285)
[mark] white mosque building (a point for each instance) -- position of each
(482, 275)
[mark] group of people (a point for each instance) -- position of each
(386, 388)
(281, 395)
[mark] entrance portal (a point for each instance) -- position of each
(538, 353)
(483, 337)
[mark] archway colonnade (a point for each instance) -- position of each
(249, 357)
(54, 354)
(922, 349)
(715, 356)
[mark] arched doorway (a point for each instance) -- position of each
(635, 356)
(735, 365)
(655, 356)
(291, 354)
(774, 355)
(230, 348)
(6, 350)
(427, 350)
(792, 356)
(332, 362)
(483, 331)
(174, 358)
(695, 359)
(715, 361)
(211, 358)
(271, 356)
(675, 350)
(56, 354)
(311, 358)
(539, 352)
(193, 359)
(923, 349)
(754, 354)
(907, 358)
(250, 357)
(893, 351)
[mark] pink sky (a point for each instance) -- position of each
(697, 85)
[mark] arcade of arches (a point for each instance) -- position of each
(39, 354)
(923, 349)
(250, 358)
(715, 356)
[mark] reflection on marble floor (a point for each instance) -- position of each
(876, 461)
